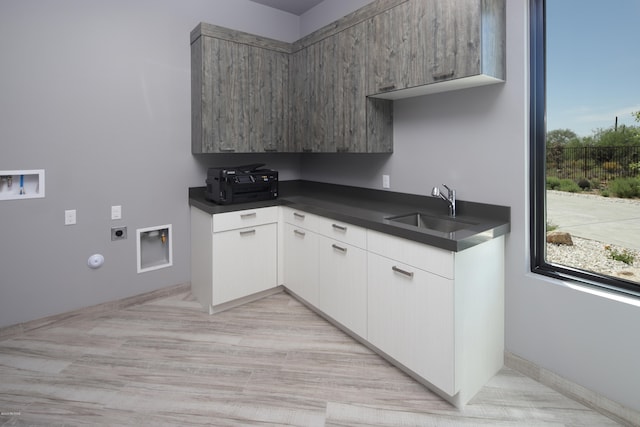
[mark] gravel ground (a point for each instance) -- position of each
(591, 255)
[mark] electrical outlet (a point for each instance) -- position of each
(70, 217)
(386, 183)
(118, 233)
(116, 212)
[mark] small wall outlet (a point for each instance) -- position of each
(70, 217)
(386, 182)
(118, 233)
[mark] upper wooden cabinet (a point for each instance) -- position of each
(329, 109)
(428, 46)
(239, 92)
(332, 91)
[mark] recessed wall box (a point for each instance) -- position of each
(21, 184)
(154, 248)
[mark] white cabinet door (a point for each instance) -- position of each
(411, 318)
(244, 262)
(343, 284)
(301, 262)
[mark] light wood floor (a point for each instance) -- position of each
(268, 363)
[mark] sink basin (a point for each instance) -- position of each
(421, 220)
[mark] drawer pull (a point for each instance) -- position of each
(386, 88)
(339, 227)
(247, 232)
(298, 215)
(248, 215)
(339, 248)
(403, 272)
(227, 150)
(299, 233)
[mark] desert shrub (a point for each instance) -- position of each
(625, 187)
(595, 183)
(584, 183)
(553, 183)
(611, 166)
(569, 186)
(625, 255)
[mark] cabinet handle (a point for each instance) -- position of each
(339, 227)
(270, 150)
(339, 248)
(248, 215)
(307, 150)
(442, 76)
(386, 88)
(298, 215)
(342, 149)
(299, 233)
(409, 274)
(227, 150)
(247, 232)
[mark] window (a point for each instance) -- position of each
(585, 141)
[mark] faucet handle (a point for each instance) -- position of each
(435, 192)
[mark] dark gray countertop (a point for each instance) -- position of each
(370, 209)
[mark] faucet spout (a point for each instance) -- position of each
(450, 198)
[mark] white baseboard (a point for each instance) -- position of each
(591, 399)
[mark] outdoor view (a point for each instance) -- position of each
(593, 136)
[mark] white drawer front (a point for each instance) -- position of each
(245, 218)
(343, 232)
(300, 218)
(434, 260)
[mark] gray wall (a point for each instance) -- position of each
(97, 93)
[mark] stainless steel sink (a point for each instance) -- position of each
(421, 220)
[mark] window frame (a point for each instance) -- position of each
(537, 128)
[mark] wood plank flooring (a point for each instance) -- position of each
(272, 362)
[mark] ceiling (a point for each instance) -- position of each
(297, 7)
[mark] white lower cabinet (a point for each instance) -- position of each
(437, 314)
(233, 255)
(301, 262)
(440, 314)
(411, 319)
(251, 268)
(342, 284)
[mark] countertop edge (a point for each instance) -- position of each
(491, 227)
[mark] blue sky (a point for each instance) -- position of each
(593, 68)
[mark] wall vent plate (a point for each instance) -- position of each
(118, 233)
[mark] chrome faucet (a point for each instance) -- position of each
(450, 198)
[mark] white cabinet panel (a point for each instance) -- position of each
(245, 218)
(411, 318)
(343, 232)
(435, 260)
(301, 262)
(244, 262)
(300, 218)
(343, 284)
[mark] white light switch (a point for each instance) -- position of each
(385, 181)
(70, 217)
(116, 212)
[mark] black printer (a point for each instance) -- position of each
(241, 184)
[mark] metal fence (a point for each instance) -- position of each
(603, 163)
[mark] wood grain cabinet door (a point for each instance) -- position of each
(268, 100)
(225, 90)
(421, 42)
